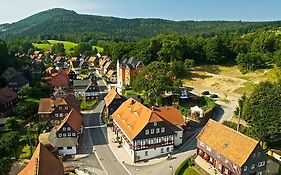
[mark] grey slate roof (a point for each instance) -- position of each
(61, 141)
(131, 62)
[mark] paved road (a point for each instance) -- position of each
(95, 139)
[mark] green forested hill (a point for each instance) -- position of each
(63, 24)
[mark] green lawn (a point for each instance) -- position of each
(88, 105)
(190, 171)
(67, 45)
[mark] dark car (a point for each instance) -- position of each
(214, 96)
(205, 93)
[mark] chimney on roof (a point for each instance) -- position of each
(133, 101)
(225, 145)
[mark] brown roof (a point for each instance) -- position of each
(49, 69)
(67, 71)
(73, 119)
(112, 94)
(47, 105)
(7, 95)
(103, 61)
(107, 65)
(92, 59)
(72, 102)
(233, 145)
(60, 79)
(43, 162)
(170, 114)
(110, 73)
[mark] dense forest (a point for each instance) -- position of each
(252, 51)
(63, 24)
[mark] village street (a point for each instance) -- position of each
(94, 140)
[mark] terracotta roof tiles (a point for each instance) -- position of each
(43, 162)
(227, 142)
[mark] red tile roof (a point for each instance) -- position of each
(73, 119)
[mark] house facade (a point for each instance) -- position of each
(112, 76)
(147, 133)
(8, 101)
(86, 89)
(230, 152)
(112, 102)
(126, 69)
(15, 79)
(65, 136)
(53, 110)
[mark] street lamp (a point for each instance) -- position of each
(172, 169)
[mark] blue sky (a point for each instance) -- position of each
(245, 10)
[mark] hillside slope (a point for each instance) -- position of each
(64, 24)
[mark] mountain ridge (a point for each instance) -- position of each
(65, 24)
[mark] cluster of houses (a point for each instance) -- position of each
(148, 133)
(145, 133)
(120, 76)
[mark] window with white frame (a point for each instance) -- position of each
(254, 155)
(146, 132)
(61, 114)
(73, 134)
(209, 148)
(155, 123)
(63, 128)
(260, 164)
(202, 144)
(157, 130)
(56, 115)
(226, 161)
(66, 107)
(60, 135)
(235, 167)
(152, 131)
(68, 128)
(218, 155)
(253, 166)
(245, 168)
(162, 150)
(60, 108)
(64, 134)
(162, 129)
(69, 134)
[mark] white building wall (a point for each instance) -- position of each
(140, 155)
(66, 151)
(178, 138)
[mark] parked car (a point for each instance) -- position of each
(205, 93)
(214, 96)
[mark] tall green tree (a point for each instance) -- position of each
(262, 112)
(58, 48)
(154, 80)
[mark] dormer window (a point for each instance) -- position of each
(64, 129)
(155, 123)
(66, 108)
(60, 108)
(146, 132)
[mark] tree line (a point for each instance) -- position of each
(251, 51)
